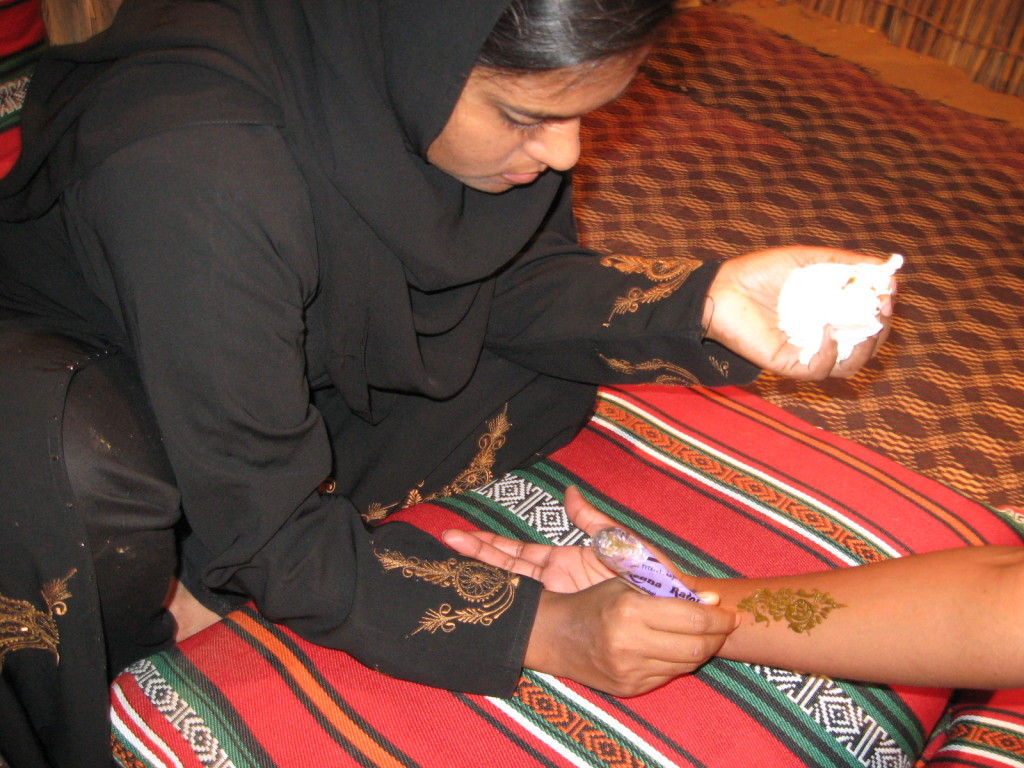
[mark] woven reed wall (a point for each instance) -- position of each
(983, 37)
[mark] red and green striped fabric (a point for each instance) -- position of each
(22, 39)
(985, 730)
(725, 483)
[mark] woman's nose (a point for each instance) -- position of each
(558, 145)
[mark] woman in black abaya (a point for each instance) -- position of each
(271, 268)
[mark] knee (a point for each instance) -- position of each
(112, 451)
(124, 493)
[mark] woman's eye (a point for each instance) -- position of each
(522, 125)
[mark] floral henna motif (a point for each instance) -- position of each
(802, 610)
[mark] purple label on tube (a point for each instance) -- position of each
(625, 554)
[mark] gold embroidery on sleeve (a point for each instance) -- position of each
(377, 511)
(480, 469)
(801, 609)
(22, 625)
(668, 273)
(675, 374)
(490, 589)
(479, 472)
(722, 366)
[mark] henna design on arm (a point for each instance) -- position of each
(802, 610)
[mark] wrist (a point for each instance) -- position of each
(713, 301)
(707, 316)
(541, 651)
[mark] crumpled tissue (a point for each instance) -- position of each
(844, 296)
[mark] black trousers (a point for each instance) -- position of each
(88, 509)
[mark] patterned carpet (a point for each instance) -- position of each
(736, 138)
(722, 482)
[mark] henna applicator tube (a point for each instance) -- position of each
(625, 554)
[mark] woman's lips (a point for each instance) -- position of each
(520, 178)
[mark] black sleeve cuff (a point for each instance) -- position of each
(422, 613)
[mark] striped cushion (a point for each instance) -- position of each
(22, 39)
(723, 481)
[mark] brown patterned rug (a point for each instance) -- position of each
(736, 138)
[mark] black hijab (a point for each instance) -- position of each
(359, 89)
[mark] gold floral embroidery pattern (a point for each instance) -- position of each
(491, 590)
(22, 625)
(801, 609)
(675, 374)
(377, 511)
(668, 274)
(480, 469)
(722, 366)
(479, 472)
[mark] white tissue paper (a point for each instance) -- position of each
(845, 296)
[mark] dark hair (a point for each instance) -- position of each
(534, 35)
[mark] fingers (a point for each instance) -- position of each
(889, 299)
(820, 366)
(858, 357)
(499, 551)
(825, 364)
(590, 520)
(466, 543)
(689, 618)
(641, 642)
(808, 255)
(870, 347)
(664, 622)
(865, 350)
(617, 640)
(583, 514)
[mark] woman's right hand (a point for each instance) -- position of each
(591, 626)
(617, 640)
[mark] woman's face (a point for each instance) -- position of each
(506, 129)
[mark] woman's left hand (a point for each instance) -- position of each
(559, 569)
(741, 313)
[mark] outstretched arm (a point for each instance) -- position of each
(951, 618)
